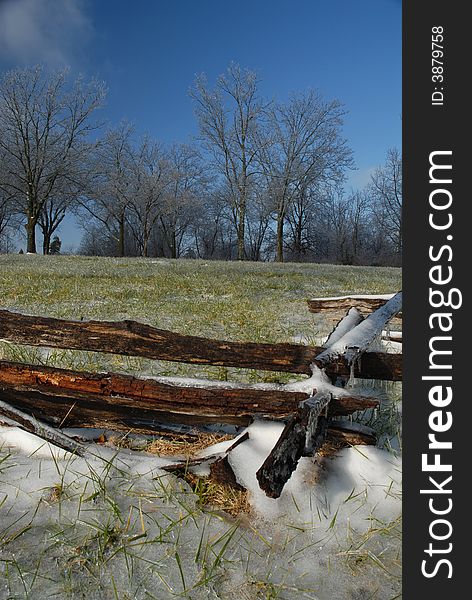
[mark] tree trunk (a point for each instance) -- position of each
(298, 238)
(31, 235)
(46, 243)
(173, 245)
(241, 229)
(280, 239)
(121, 238)
(215, 402)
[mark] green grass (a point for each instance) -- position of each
(234, 300)
(260, 302)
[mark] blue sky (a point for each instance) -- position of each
(149, 52)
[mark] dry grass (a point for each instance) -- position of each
(178, 446)
(220, 496)
(211, 494)
(330, 448)
(54, 494)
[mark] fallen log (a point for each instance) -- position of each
(31, 424)
(131, 338)
(187, 396)
(106, 412)
(115, 413)
(304, 433)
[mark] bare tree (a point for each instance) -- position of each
(307, 149)
(230, 121)
(302, 214)
(6, 208)
(6, 220)
(97, 241)
(386, 191)
(359, 213)
(44, 123)
(339, 225)
(259, 217)
(51, 216)
(349, 225)
(186, 185)
(114, 183)
(147, 205)
(212, 226)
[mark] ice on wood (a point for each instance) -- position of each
(360, 337)
(348, 322)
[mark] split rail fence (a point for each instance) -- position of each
(46, 399)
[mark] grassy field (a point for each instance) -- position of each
(114, 526)
(261, 302)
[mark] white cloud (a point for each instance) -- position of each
(42, 31)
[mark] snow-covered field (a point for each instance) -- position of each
(115, 525)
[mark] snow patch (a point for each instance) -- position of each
(369, 471)
(63, 503)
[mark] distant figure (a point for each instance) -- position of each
(21, 251)
(55, 247)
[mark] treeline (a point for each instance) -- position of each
(264, 181)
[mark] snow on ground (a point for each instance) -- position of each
(115, 525)
(374, 471)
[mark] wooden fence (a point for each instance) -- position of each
(67, 398)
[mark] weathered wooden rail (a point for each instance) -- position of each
(131, 338)
(112, 397)
(362, 303)
(68, 398)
